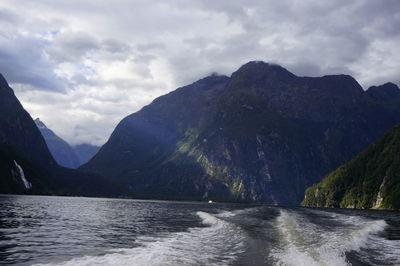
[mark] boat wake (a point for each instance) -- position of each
(261, 235)
(303, 242)
(218, 243)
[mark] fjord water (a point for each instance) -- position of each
(41, 230)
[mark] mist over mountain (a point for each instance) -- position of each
(263, 134)
(209, 132)
(65, 154)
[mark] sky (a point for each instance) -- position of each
(82, 66)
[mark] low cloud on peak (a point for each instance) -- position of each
(83, 66)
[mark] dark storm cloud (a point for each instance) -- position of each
(310, 37)
(110, 60)
(22, 61)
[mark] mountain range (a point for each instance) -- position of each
(262, 134)
(65, 154)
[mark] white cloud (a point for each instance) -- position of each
(83, 65)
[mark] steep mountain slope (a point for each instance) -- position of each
(147, 137)
(145, 140)
(264, 134)
(370, 180)
(15, 178)
(17, 129)
(59, 148)
(26, 165)
(64, 154)
(85, 152)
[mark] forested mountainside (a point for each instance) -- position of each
(263, 134)
(370, 180)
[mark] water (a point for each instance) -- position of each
(40, 230)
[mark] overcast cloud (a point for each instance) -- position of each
(81, 66)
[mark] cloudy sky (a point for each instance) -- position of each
(81, 66)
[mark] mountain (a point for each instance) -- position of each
(20, 136)
(17, 129)
(263, 134)
(370, 180)
(59, 148)
(63, 153)
(26, 164)
(144, 141)
(387, 92)
(85, 152)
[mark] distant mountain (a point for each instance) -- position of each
(26, 165)
(85, 152)
(63, 153)
(370, 180)
(59, 148)
(263, 134)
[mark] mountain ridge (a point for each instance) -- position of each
(263, 135)
(62, 152)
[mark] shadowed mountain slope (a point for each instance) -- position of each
(26, 165)
(59, 148)
(263, 134)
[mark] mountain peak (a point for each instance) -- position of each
(258, 73)
(391, 85)
(59, 148)
(265, 66)
(212, 78)
(39, 123)
(386, 91)
(3, 81)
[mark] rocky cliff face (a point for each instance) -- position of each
(263, 134)
(370, 180)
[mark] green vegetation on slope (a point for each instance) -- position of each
(263, 134)
(371, 180)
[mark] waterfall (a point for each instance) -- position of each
(21, 174)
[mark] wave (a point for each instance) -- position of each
(219, 243)
(303, 242)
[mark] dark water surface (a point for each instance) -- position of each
(92, 231)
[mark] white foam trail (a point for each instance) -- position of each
(219, 244)
(246, 211)
(305, 243)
